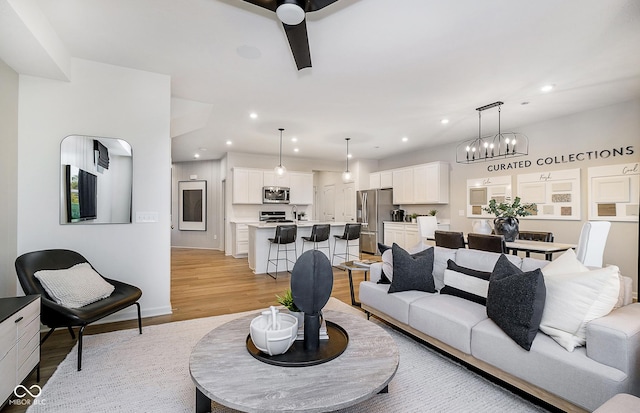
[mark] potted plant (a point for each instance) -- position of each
(433, 212)
(286, 299)
(414, 217)
(506, 221)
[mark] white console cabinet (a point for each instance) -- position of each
(19, 340)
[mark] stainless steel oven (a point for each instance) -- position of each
(275, 195)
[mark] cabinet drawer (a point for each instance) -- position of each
(29, 341)
(242, 247)
(31, 361)
(7, 336)
(28, 314)
(7, 366)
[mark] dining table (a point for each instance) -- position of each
(542, 247)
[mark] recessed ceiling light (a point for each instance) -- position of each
(349, 156)
(295, 149)
(197, 155)
(404, 139)
(547, 88)
(253, 115)
(203, 149)
(294, 139)
(229, 142)
(444, 121)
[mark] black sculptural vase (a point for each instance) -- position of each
(508, 227)
(311, 285)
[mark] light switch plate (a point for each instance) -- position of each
(147, 216)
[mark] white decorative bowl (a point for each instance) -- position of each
(273, 342)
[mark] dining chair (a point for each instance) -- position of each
(284, 237)
(484, 242)
(592, 241)
(449, 239)
(427, 226)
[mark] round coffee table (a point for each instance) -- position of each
(224, 371)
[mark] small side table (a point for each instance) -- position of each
(351, 266)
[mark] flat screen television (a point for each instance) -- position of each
(82, 194)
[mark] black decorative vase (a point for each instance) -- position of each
(508, 227)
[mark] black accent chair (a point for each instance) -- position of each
(351, 233)
(537, 236)
(285, 235)
(54, 315)
(484, 242)
(449, 239)
(319, 233)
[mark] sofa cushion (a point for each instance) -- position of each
(515, 301)
(466, 283)
(412, 272)
(441, 257)
(567, 263)
(447, 318)
(74, 287)
(572, 376)
(482, 260)
(575, 299)
(394, 305)
(530, 264)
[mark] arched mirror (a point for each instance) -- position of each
(96, 180)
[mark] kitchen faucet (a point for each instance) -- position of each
(294, 212)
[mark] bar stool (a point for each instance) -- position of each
(319, 233)
(285, 235)
(351, 233)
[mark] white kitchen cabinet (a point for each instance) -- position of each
(411, 236)
(240, 247)
(247, 186)
(19, 340)
(374, 180)
(421, 184)
(270, 178)
(394, 232)
(386, 179)
(403, 186)
(301, 184)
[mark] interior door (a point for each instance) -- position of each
(328, 203)
(349, 192)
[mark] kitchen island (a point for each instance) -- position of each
(259, 234)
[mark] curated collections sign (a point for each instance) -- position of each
(563, 159)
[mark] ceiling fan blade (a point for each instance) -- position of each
(299, 43)
(313, 5)
(265, 4)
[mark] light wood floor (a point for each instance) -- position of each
(203, 283)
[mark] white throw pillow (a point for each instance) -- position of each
(567, 263)
(74, 287)
(387, 258)
(575, 299)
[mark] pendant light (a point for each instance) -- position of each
(280, 169)
(499, 146)
(346, 175)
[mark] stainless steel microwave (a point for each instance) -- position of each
(275, 195)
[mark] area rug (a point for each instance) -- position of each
(124, 371)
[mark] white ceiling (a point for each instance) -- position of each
(382, 69)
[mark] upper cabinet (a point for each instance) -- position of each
(273, 179)
(420, 184)
(301, 185)
(247, 186)
(248, 183)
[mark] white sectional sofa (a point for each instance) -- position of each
(582, 379)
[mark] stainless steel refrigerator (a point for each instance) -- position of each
(373, 207)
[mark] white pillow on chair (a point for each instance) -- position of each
(74, 287)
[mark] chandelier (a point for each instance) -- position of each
(490, 147)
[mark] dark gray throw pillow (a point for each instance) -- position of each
(515, 301)
(382, 248)
(412, 272)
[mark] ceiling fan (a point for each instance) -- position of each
(292, 15)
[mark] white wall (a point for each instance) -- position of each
(8, 178)
(604, 128)
(205, 171)
(109, 101)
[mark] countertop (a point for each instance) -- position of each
(301, 224)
